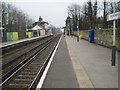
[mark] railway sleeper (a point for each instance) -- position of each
(14, 85)
(29, 73)
(37, 65)
(33, 67)
(22, 81)
(26, 76)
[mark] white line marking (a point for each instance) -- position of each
(48, 66)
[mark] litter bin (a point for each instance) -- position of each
(91, 36)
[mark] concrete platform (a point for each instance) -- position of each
(96, 62)
(81, 65)
(61, 73)
(4, 44)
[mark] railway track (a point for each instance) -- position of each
(15, 58)
(28, 71)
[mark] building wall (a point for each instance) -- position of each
(102, 37)
(10, 36)
(42, 32)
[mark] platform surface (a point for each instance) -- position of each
(96, 61)
(61, 73)
(89, 63)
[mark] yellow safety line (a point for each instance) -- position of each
(82, 77)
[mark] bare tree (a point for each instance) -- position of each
(88, 14)
(95, 7)
(15, 20)
(74, 13)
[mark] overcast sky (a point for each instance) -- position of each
(52, 11)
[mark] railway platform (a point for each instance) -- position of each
(61, 73)
(4, 44)
(78, 65)
(81, 65)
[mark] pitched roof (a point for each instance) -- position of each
(36, 27)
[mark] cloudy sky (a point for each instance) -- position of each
(53, 11)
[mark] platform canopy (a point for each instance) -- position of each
(36, 28)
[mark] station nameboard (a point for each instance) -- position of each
(113, 16)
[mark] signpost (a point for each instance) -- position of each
(112, 17)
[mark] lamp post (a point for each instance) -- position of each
(71, 27)
(1, 21)
(114, 39)
(78, 30)
(69, 23)
(112, 17)
(78, 27)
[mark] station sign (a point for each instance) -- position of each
(113, 16)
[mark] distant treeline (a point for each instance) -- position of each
(14, 20)
(91, 15)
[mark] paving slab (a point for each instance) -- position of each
(96, 60)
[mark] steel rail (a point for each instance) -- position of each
(6, 76)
